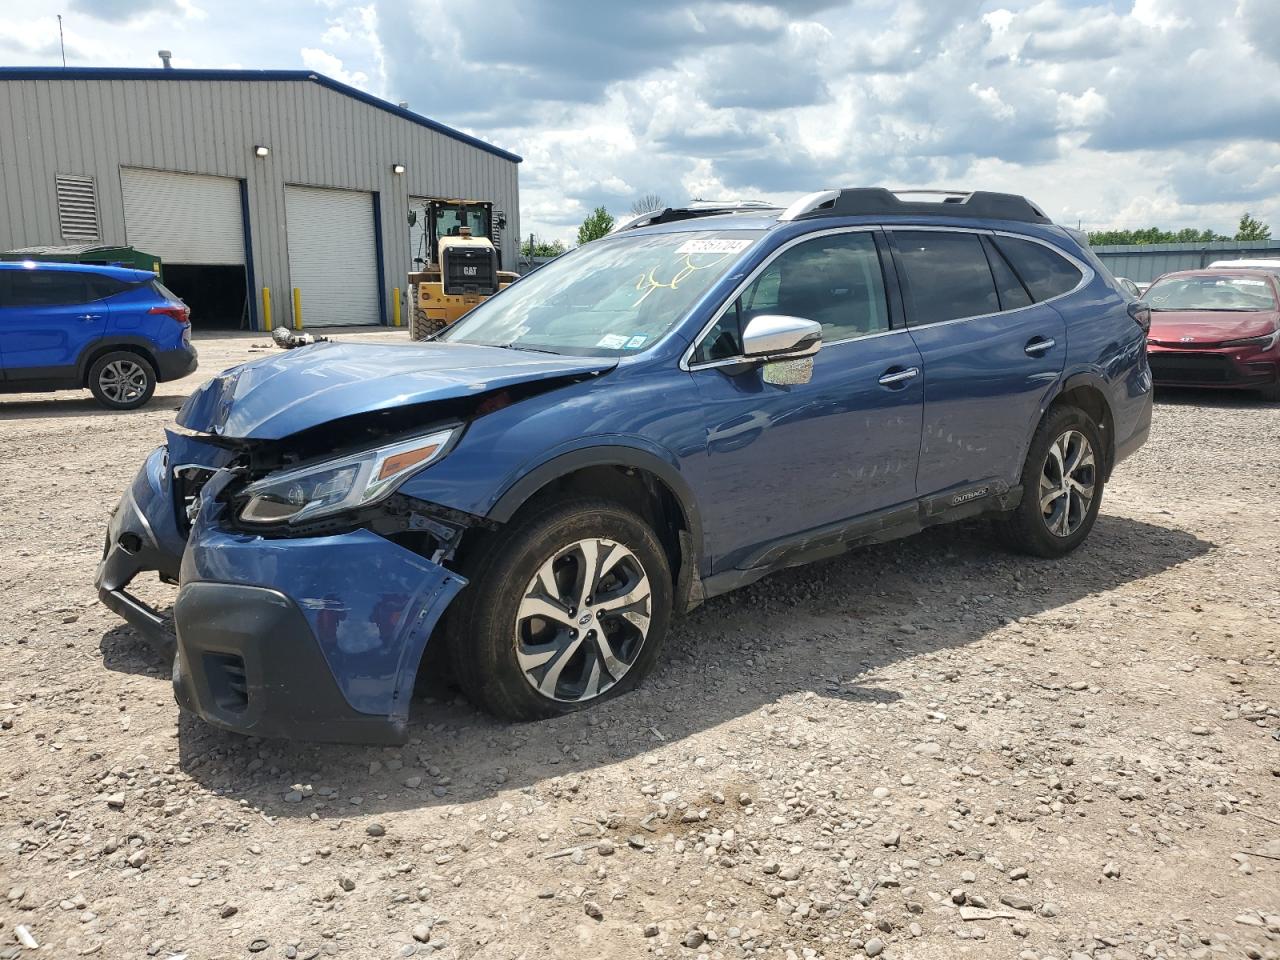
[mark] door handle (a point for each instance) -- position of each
(89, 316)
(1038, 346)
(892, 378)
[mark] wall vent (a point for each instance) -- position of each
(77, 207)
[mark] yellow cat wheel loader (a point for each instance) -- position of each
(461, 267)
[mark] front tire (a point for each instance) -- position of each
(1062, 483)
(566, 608)
(121, 380)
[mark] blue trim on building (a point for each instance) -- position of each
(251, 284)
(150, 73)
(377, 249)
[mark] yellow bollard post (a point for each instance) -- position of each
(395, 306)
(266, 308)
(297, 309)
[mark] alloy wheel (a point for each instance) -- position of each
(1067, 483)
(123, 381)
(583, 620)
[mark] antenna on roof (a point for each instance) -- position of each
(62, 44)
(165, 57)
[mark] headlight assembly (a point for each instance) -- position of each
(1266, 341)
(335, 486)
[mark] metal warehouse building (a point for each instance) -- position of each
(239, 180)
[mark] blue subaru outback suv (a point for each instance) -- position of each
(66, 326)
(709, 394)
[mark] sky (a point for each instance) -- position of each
(1115, 114)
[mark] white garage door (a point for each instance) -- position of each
(183, 217)
(333, 257)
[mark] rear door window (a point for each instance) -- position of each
(47, 288)
(948, 275)
(1045, 273)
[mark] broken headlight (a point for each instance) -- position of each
(334, 486)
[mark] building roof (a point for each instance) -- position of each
(159, 73)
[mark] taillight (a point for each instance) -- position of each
(1141, 313)
(178, 311)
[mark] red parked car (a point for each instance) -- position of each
(1216, 328)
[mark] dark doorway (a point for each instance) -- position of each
(215, 294)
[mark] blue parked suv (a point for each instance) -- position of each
(708, 395)
(66, 326)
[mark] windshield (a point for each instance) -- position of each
(1210, 293)
(607, 298)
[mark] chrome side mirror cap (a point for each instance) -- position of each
(774, 336)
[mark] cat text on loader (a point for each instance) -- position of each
(463, 269)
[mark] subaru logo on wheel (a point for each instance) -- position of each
(584, 619)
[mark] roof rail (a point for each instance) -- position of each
(877, 201)
(695, 208)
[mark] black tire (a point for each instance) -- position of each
(485, 632)
(121, 380)
(1270, 394)
(1027, 529)
(421, 326)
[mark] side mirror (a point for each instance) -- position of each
(785, 344)
(777, 337)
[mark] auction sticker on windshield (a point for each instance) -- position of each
(714, 245)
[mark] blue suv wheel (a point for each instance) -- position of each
(567, 607)
(122, 381)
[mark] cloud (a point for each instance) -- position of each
(1106, 112)
(324, 62)
(119, 11)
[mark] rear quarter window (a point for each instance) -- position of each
(101, 287)
(1044, 273)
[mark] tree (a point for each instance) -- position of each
(1251, 229)
(541, 248)
(1098, 238)
(598, 223)
(649, 203)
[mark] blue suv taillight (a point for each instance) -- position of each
(1141, 313)
(178, 311)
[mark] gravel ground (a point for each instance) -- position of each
(924, 749)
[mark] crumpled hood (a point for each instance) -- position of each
(285, 393)
(1176, 327)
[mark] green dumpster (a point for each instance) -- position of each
(104, 254)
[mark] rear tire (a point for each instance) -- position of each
(1062, 484)
(566, 608)
(121, 380)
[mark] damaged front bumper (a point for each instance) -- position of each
(315, 638)
(143, 535)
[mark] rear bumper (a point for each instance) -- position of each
(176, 364)
(1138, 435)
(1212, 368)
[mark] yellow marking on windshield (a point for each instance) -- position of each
(648, 282)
